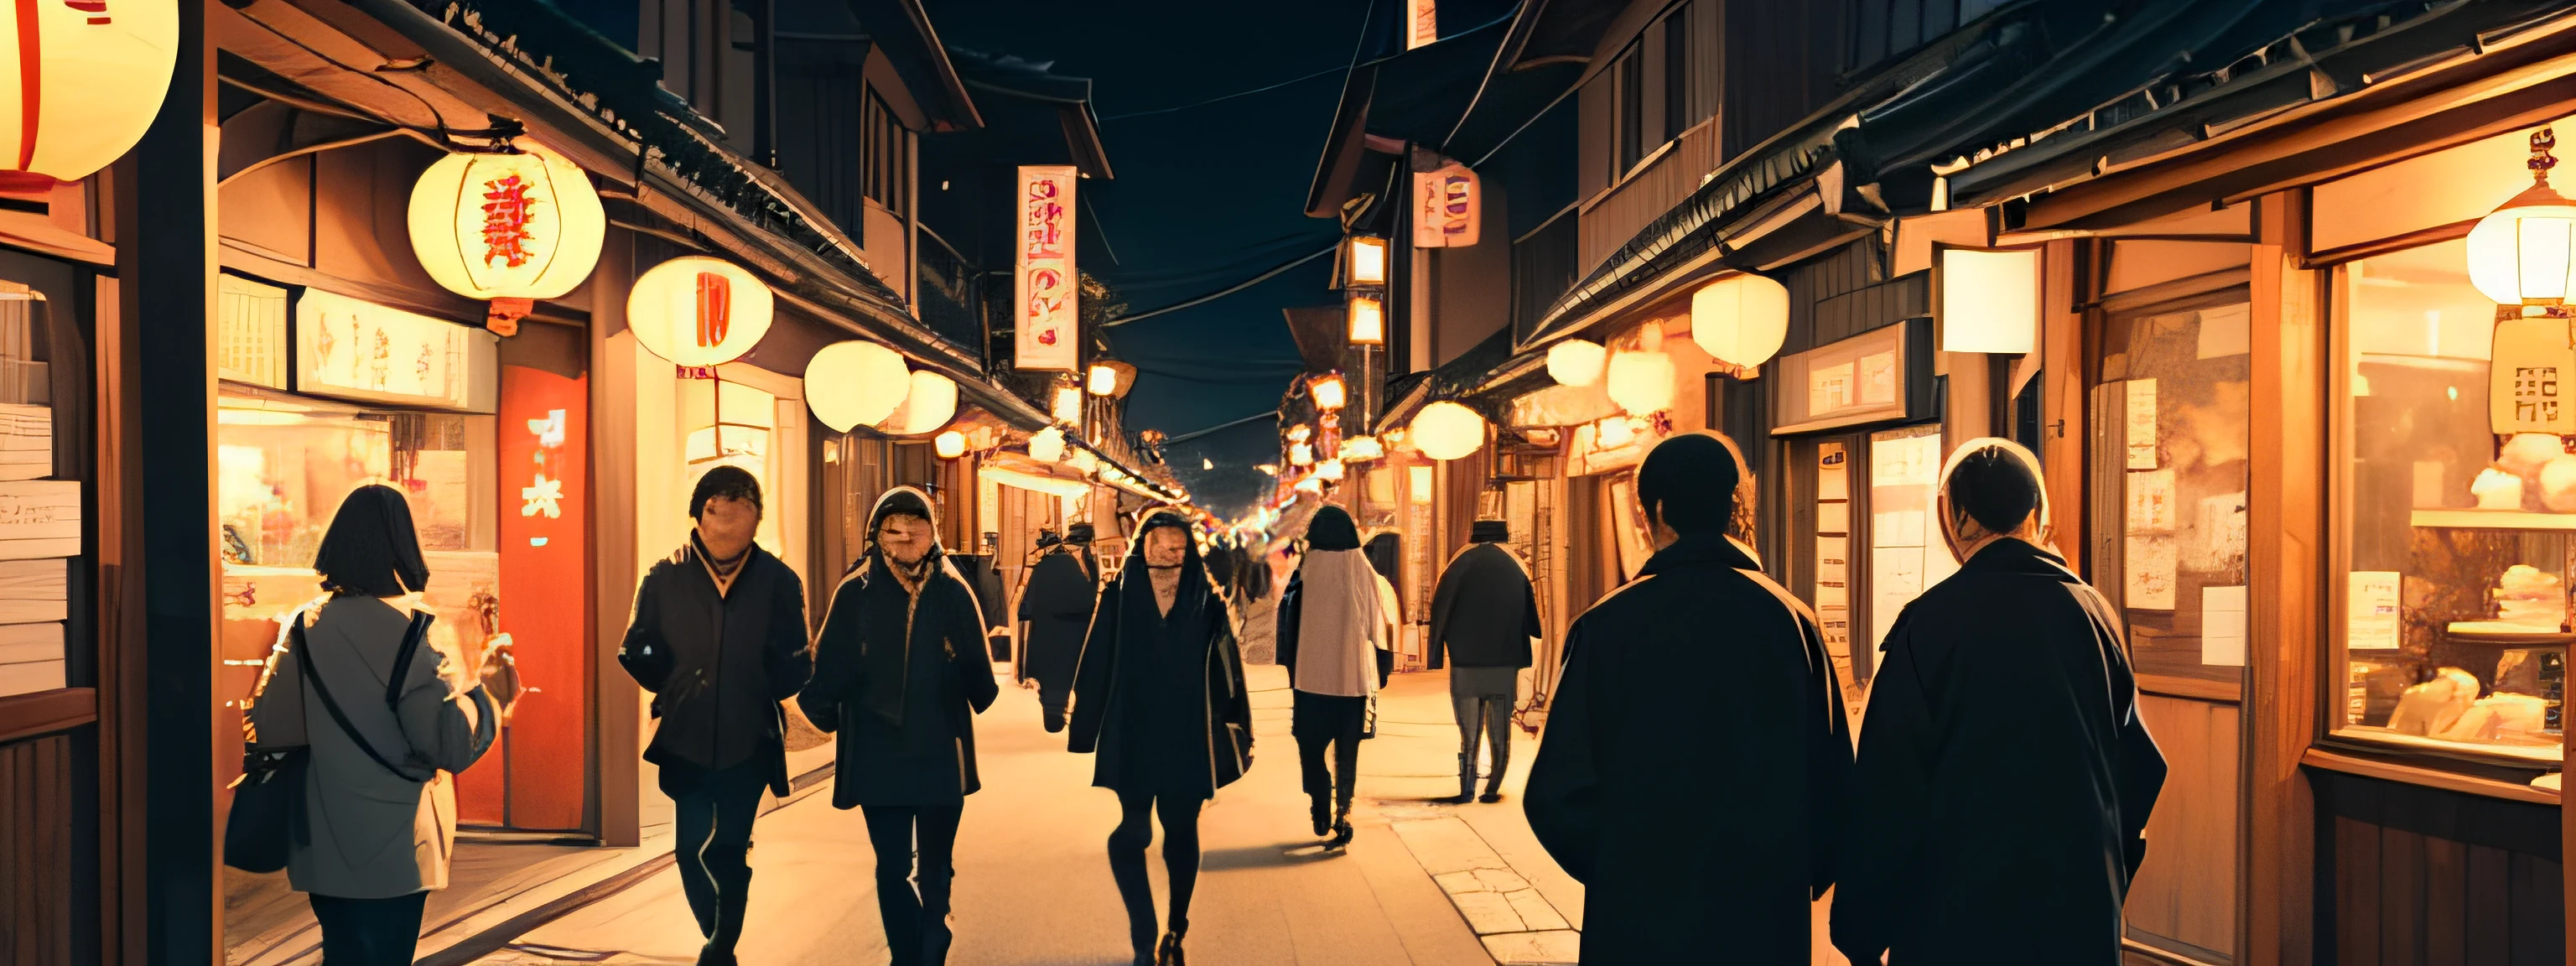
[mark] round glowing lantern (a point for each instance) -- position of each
(1446, 431)
(1575, 362)
(1740, 320)
(1641, 382)
(930, 404)
(1082, 460)
(522, 225)
(2524, 253)
(699, 311)
(1046, 445)
(855, 384)
(86, 79)
(950, 445)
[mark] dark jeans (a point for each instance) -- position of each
(1051, 699)
(1180, 815)
(368, 932)
(1483, 716)
(713, 831)
(1345, 772)
(916, 924)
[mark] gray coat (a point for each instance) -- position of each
(371, 835)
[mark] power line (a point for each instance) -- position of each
(1226, 97)
(1220, 427)
(1213, 296)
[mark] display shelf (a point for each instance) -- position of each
(2494, 520)
(2536, 755)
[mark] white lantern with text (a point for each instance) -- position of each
(2524, 253)
(1989, 300)
(930, 404)
(1446, 431)
(1740, 320)
(1641, 382)
(851, 384)
(699, 311)
(520, 225)
(1575, 362)
(83, 82)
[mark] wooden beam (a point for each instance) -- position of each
(61, 709)
(2285, 553)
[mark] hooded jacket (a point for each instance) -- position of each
(718, 659)
(900, 676)
(1128, 627)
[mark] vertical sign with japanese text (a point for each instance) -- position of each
(1422, 23)
(1445, 203)
(1046, 290)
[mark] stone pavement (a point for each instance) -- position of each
(1423, 882)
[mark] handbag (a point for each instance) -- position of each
(268, 817)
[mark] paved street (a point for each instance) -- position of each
(1033, 885)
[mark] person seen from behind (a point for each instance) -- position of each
(1483, 617)
(1331, 627)
(1055, 613)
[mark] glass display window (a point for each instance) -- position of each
(2454, 543)
(2172, 423)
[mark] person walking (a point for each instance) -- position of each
(1693, 808)
(718, 637)
(379, 807)
(1483, 617)
(1331, 627)
(1160, 697)
(2005, 777)
(1055, 612)
(900, 671)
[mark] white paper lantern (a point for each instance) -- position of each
(493, 226)
(949, 445)
(84, 83)
(2525, 252)
(1575, 362)
(1446, 431)
(1641, 382)
(1301, 454)
(1068, 405)
(699, 311)
(1046, 445)
(930, 405)
(1740, 320)
(855, 384)
(1360, 449)
(1082, 460)
(1330, 470)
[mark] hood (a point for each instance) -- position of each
(910, 499)
(1191, 561)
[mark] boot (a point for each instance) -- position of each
(1493, 787)
(1322, 810)
(1341, 829)
(733, 896)
(1170, 952)
(1466, 781)
(935, 932)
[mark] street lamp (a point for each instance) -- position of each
(1367, 260)
(1368, 319)
(1330, 392)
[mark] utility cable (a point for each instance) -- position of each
(1213, 296)
(1220, 427)
(1226, 97)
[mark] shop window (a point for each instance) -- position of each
(1631, 121)
(2172, 415)
(886, 173)
(2455, 550)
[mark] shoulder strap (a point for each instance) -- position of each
(412, 638)
(323, 690)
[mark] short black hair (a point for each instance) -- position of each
(1993, 486)
(730, 482)
(1689, 483)
(371, 548)
(1332, 529)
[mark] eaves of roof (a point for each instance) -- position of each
(903, 30)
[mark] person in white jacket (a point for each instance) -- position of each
(1332, 624)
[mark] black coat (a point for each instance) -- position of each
(1693, 768)
(1120, 635)
(718, 663)
(2004, 776)
(1057, 604)
(1484, 613)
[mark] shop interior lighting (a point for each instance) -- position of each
(1330, 470)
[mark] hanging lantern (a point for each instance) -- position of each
(2524, 253)
(855, 384)
(513, 227)
(1068, 405)
(1740, 320)
(1082, 460)
(1104, 380)
(949, 445)
(1311, 485)
(1612, 432)
(930, 404)
(1330, 392)
(1361, 449)
(1368, 320)
(86, 83)
(698, 311)
(1446, 431)
(1330, 471)
(1575, 362)
(1641, 382)
(1046, 445)
(1367, 260)
(1300, 433)
(1301, 454)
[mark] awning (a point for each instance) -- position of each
(1028, 474)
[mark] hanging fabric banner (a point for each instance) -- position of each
(1047, 287)
(1446, 203)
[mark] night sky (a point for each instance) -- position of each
(1205, 197)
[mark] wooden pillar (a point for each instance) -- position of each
(165, 221)
(2061, 398)
(2285, 556)
(617, 729)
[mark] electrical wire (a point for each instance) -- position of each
(1221, 293)
(446, 135)
(1220, 427)
(1227, 97)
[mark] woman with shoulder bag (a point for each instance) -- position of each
(386, 718)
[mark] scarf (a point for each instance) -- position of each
(1340, 624)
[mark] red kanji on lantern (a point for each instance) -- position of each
(715, 309)
(505, 221)
(97, 9)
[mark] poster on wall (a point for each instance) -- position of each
(1445, 207)
(1046, 288)
(2371, 614)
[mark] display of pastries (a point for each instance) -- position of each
(2435, 706)
(2530, 597)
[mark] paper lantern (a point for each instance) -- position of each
(949, 445)
(1740, 320)
(86, 82)
(1301, 454)
(1331, 393)
(506, 226)
(1300, 433)
(1367, 260)
(1613, 432)
(2524, 253)
(1446, 431)
(1046, 445)
(855, 384)
(1330, 470)
(1361, 449)
(1104, 380)
(1068, 405)
(1368, 320)
(698, 311)
(930, 404)
(1641, 382)
(1082, 460)
(1989, 301)
(1311, 485)
(1575, 362)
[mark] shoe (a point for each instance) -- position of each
(1341, 835)
(1323, 815)
(1170, 952)
(1490, 797)
(709, 955)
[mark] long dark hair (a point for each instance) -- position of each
(372, 549)
(1385, 554)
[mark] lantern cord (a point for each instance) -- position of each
(1229, 290)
